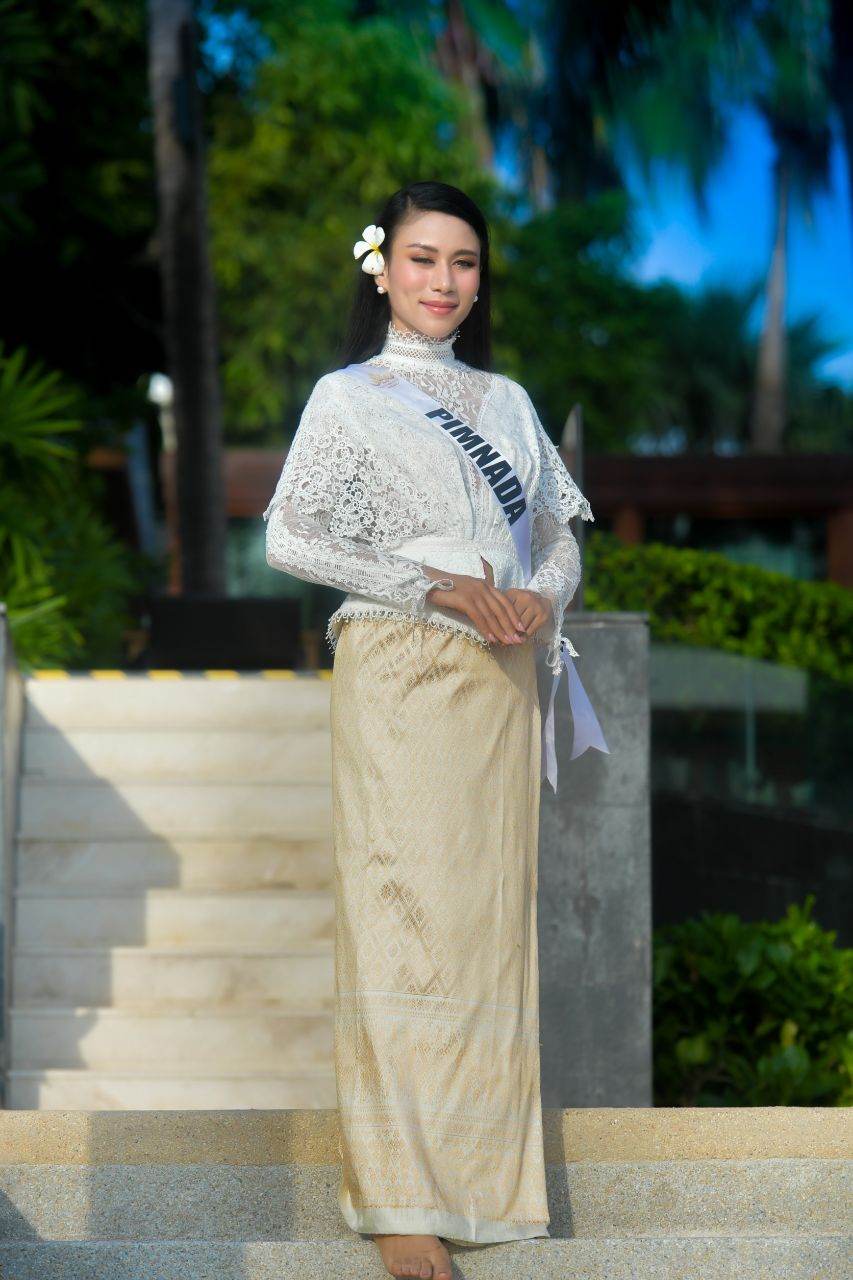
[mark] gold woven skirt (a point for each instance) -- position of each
(435, 794)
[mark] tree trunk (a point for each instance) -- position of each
(842, 76)
(769, 406)
(188, 296)
(465, 61)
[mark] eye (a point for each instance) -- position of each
(463, 261)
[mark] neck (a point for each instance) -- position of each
(407, 346)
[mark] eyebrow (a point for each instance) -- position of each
(432, 248)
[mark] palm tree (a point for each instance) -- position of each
(674, 105)
(841, 77)
(538, 71)
(793, 98)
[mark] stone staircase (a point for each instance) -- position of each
(634, 1194)
(171, 1089)
(174, 915)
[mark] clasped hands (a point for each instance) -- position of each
(502, 617)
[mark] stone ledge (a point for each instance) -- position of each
(256, 1137)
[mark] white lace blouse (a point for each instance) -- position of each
(369, 493)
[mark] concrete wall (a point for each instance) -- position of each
(594, 907)
(11, 723)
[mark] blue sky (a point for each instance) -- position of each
(732, 242)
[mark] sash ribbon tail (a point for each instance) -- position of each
(587, 730)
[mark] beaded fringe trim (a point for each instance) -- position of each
(380, 611)
(438, 623)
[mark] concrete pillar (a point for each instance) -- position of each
(594, 905)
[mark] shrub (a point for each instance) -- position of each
(752, 1014)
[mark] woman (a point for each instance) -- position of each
(435, 725)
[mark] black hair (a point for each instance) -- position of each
(370, 311)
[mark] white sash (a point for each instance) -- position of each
(509, 493)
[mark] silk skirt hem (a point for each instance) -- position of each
(453, 1228)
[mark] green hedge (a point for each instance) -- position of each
(703, 598)
(752, 1014)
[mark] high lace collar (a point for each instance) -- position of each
(403, 347)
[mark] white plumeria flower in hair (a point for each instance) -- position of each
(374, 262)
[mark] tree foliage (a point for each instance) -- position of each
(333, 123)
(77, 215)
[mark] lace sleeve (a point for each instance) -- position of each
(555, 555)
(315, 527)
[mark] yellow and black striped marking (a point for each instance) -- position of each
(164, 673)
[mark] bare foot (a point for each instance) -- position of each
(422, 1256)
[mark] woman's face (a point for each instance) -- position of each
(435, 259)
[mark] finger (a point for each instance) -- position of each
(525, 608)
(482, 622)
(492, 622)
(508, 610)
(511, 614)
(506, 630)
(537, 617)
(505, 604)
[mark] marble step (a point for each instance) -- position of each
(262, 1039)
(266, 862)
(80, 1090)
(296, 701)
(267, 918)
(128, 809)
(176, 754)
(626, 1199)
(174, 978)
(763, 1257)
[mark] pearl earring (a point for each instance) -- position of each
(380, 288)
(476, 296)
